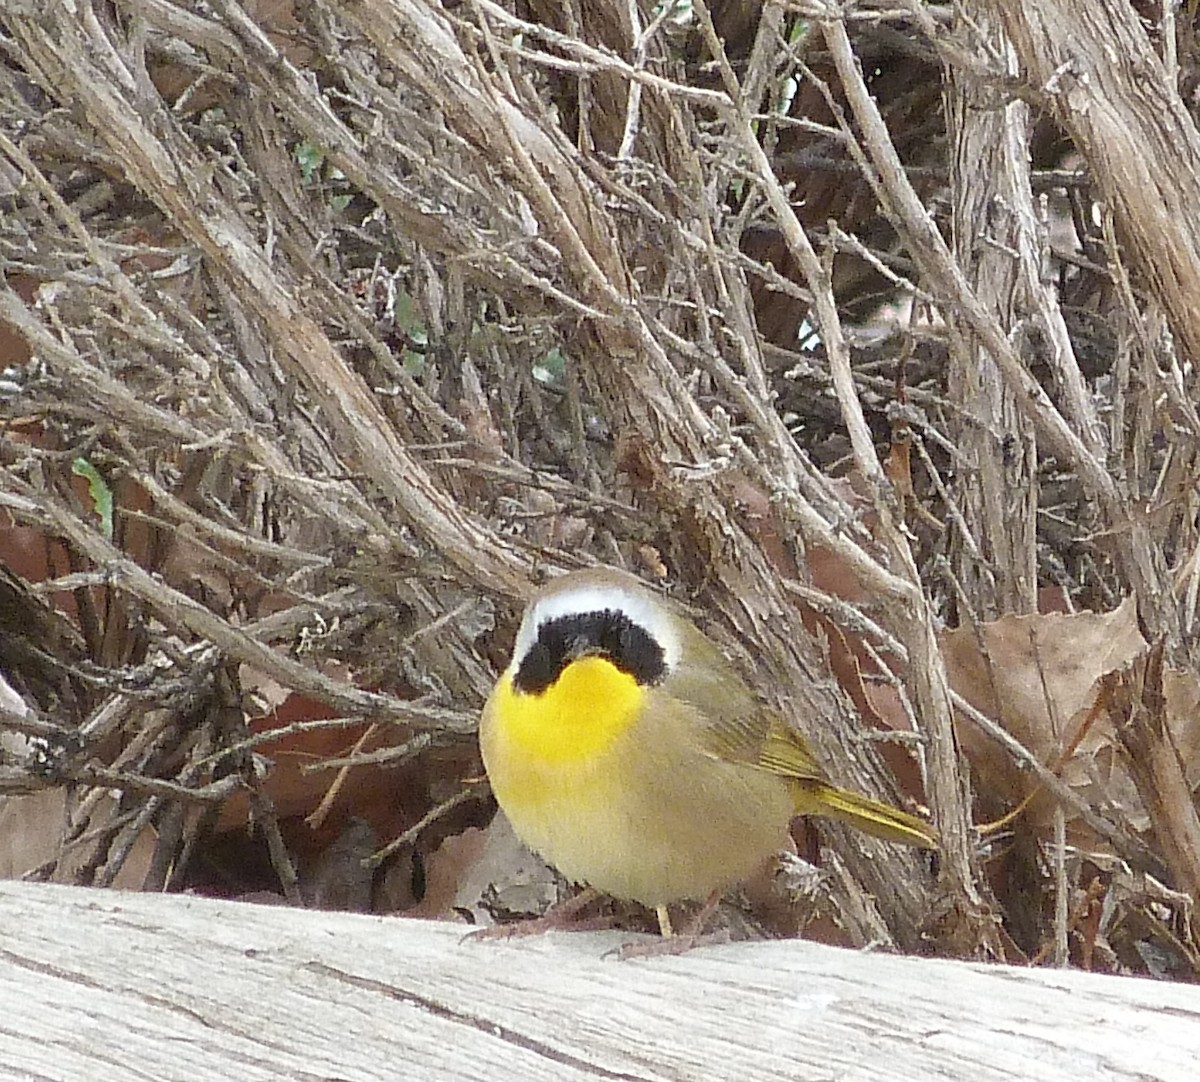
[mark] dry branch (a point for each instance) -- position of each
(1097, 69)
(368, 312)
(1136, 698)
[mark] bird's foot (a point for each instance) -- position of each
(563, 917)
(692, 936)
(676, 944)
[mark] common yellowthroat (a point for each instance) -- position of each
(627, 751)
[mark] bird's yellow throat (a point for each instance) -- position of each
(578, 716)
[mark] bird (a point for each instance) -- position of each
(627, 750)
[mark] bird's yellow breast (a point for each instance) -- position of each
(574, 720)
(603, 777)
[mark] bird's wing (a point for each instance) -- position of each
(734, 724)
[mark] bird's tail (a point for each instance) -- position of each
(870, 816)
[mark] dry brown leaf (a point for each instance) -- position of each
(295, 791)
(1034, 675)
(492, 860)
(31, 829)
(1038, 676)
(1096, 770)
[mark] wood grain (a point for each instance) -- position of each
(105, 984)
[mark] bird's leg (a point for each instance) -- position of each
(560, 917)
(692, 935)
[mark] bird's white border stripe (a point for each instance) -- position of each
(643, 611)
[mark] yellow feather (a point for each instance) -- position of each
(870, 816)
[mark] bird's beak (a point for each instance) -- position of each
(579, 647)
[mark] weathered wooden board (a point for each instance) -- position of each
(107, 985)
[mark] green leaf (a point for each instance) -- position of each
(553, 368)
(309, 157)
(101, 494)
